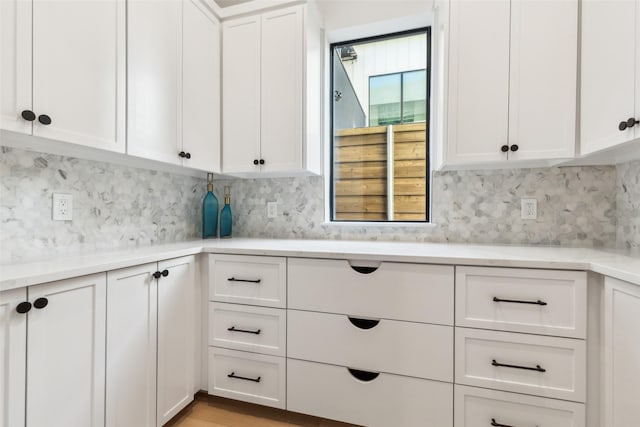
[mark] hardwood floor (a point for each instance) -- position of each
(209, 411)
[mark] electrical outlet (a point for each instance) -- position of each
(272, 209)
(528, 209)
(62, 207)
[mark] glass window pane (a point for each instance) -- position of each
(414, 96)
(384, 99)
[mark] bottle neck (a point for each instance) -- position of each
(210, 187)
(227, 200)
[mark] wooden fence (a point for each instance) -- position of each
(361, 170)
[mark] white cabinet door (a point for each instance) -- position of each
(543, 79)
(176, 340)
(241, 94)
(131, 347)
(608, 78)
(478, 112)
(66, 358)
(79, 71)
(281, 90)
(15, 64)
(201, 87)
(13, 355)
(621, 317)
(154, 79)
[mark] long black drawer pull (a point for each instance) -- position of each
(538, 302)
(494, 423)
(246, 331)
(538, 368)
(364, 270)
(363, 323)
(233, 375)
(365, 376)
(233, 279)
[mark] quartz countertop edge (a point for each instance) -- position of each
(607, 262)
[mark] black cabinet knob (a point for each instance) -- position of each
(182, 154)
(23, 307)
(631, 122)
(44, 119)
(28, 115)
(187, 155)
(40, 303)
(157, 275)
(256, 162)
(165, 273)
(514, 147)
(262, 161)
(504, 148)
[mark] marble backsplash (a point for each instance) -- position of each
(628, 206)
(113, 206)
(576, 207)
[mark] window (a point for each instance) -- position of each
(380, 117)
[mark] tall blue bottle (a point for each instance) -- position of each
(225, 215)
(209, 211)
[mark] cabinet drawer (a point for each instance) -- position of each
(388, 400)
(256, 280)
(413, 292)
(548, 302)
(477, 407)
(405, 348)
(255, 378)
(479, 355)
(249, 328)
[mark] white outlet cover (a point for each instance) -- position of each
(528, 209)
(62, 207)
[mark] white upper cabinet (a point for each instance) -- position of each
(271, 85)
(512, 87)
(610, 92)
(173, 83)
(63, 71)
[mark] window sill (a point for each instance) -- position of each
(369, 224)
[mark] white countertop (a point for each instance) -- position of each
(608, 262)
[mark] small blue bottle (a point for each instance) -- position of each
(225, 215)
(209, 211)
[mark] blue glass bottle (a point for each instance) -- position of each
(225, 215)
(209, 211)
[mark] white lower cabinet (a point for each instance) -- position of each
(255, 378)
(66, 353)
(478, 407)
(13, 357)
(364, 398)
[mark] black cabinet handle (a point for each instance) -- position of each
(233, 375)
(256, 162)
(23, 307)
(234, 329)
(28, 115)
(365, 376)
(537, 368)
(262, 161)
(364, 270)
(182, 154)
(165, 273)
(515, 301)
(187, 155)
(233, 279)
(44, 119)
(157, 275)
(494, 423)
(363, 323)
(514, 147)
(504, 148)
(631, 122)
(40, 303)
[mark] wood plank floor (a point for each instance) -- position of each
(209, 411)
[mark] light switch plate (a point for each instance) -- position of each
(62, 207)
(528, 209)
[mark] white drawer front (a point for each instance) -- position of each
(256, 280)
(248, 328)
(405, 348)
(255, 378)
(476, 407)
(563, 361)
(389, 400)
(552, 302)
(413, 292)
